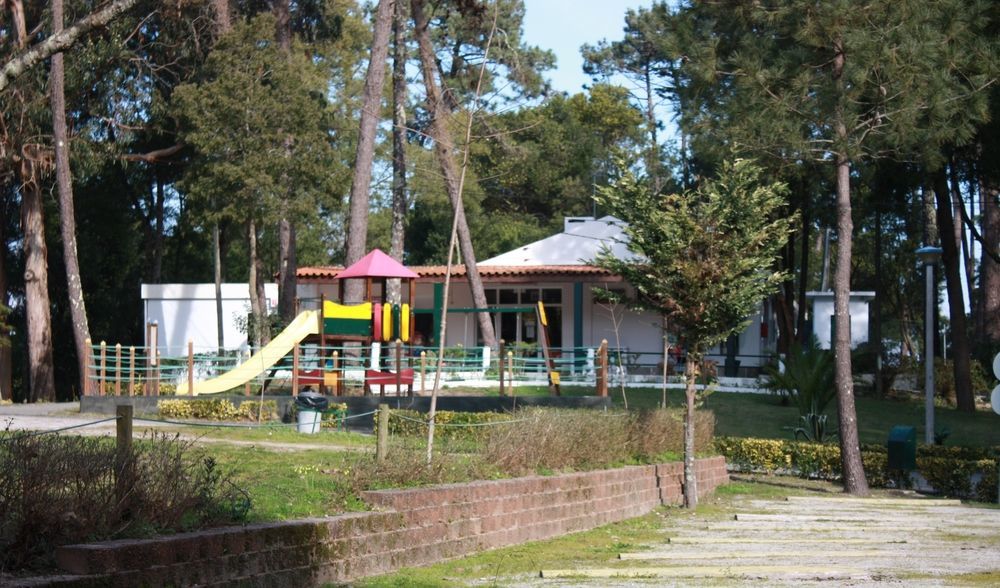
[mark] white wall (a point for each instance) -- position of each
(822, 311)
(186, 312)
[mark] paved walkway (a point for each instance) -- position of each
(829, 541)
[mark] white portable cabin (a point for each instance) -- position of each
(187, 312)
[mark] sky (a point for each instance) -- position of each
(564, 25)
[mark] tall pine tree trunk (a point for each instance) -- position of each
(850, 450)
(398, 230)
(444, 148)
(217, 275)
(6, 365)
(67, 216)
(956, 301)
(653, 153)
(691, 368)
(158, 211)
(287, 258)
(989, 269)
(258, 302)
(876, 312)
(357, 235)
(960, 234)
(800, 319)
(223, 24)
(41, 378)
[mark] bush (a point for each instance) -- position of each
(217, 409)
(57, 490)
(552, 439)
(408, 467)
(949, 470)
(468, 426)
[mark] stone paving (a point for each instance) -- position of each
(829, 541)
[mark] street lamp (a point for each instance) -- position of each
(930, 256)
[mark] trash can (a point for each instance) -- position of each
(902, 448)
(310, 406)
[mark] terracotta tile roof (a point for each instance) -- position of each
(327, 273)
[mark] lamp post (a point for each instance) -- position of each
(930, 256)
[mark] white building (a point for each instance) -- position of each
(559, 271)
(186, 312)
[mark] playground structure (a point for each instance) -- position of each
(332, 324)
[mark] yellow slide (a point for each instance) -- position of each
(307, 323)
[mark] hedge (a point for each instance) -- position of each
(949, 470)
(217, 409)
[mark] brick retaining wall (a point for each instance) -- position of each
(408, 528)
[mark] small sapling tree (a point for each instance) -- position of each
(705, 260)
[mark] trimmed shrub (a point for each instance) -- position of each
(949, 470)
(217, 409)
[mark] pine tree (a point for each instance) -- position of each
(839, 82)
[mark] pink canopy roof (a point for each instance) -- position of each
(376, 265)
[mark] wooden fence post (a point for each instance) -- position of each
(131, 370)
(500, 361)
(89, 360)
(124, 478)
(602, 369)
(399, 366)
(295, 366)
(246, 387)
(382, 441)
(104, 366)
(423, 371)
(118, 369)
(190, 367)
(336, 369)
(510, 372)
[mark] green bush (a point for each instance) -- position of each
(948, 470)
(217, 409)
(448, 425)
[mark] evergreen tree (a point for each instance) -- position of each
(703, 262)
(838, 82)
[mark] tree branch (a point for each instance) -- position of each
(155, 156)
(61, 41)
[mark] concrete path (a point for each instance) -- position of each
(66, 417)
(806, 541)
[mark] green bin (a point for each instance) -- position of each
(903, 448)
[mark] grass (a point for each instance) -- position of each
(761, 415)
(288, 484)
(282, 434)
